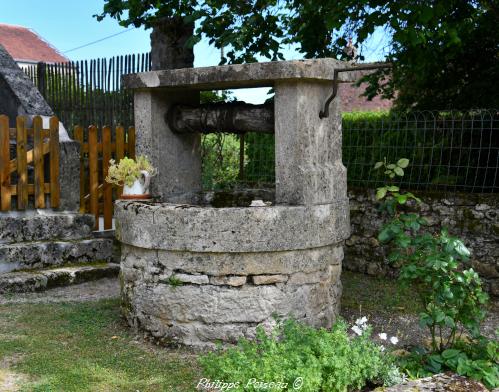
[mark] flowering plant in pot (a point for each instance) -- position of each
(133, 175)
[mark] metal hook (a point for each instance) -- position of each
(325, 112)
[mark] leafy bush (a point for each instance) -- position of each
(478, 361)
(220, 161)
(260, 164)
(451, 295)
(324, 360)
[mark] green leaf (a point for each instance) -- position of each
(399, 171)
(403, 163)
(378, 165)
(460, 248)
(393, 188)
(402, 199)
(450, 353)
(384, 235)
(391, 166)
(381, 193)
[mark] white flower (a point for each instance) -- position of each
(361, 321)
(394, 340)
(382, 348)
(357, 330)
(382, 336)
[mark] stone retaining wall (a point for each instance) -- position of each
(472, 217)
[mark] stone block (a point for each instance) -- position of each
(330, 274)
(269, 279)
(35, 255)
(228, 280)
(22, 282)
(192, 279)
(41, 225)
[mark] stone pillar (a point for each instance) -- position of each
(177, 157)
(308, 168)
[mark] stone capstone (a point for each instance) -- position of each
(18, 95)
(207, 229)
(264, 74)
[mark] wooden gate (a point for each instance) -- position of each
(97, 147)
(23, 171)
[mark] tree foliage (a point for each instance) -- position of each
(445, 52)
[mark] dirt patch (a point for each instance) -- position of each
(406, 326)
(10, 380)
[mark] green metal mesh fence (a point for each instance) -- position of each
(448, 151)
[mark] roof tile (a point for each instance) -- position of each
(25, 45)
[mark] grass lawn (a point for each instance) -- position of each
(87, 346)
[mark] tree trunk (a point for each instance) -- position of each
(234, 117)
(168, 49)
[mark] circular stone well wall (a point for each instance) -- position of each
(197, 275)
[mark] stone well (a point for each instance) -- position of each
(196, 273)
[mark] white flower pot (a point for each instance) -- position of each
(139, 189)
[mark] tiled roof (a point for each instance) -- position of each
(25, 45)
(352, 99)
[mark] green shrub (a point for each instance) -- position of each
(324, 360)
(220, 161)
(452, 296)
(478, 361)
(260, 162)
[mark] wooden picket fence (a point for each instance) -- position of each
(97, 147)
(27, 167)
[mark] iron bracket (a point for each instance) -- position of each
(325, 112)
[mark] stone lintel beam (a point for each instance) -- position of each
(239, 75)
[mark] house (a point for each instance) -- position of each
(27, 47)
(353, 101)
